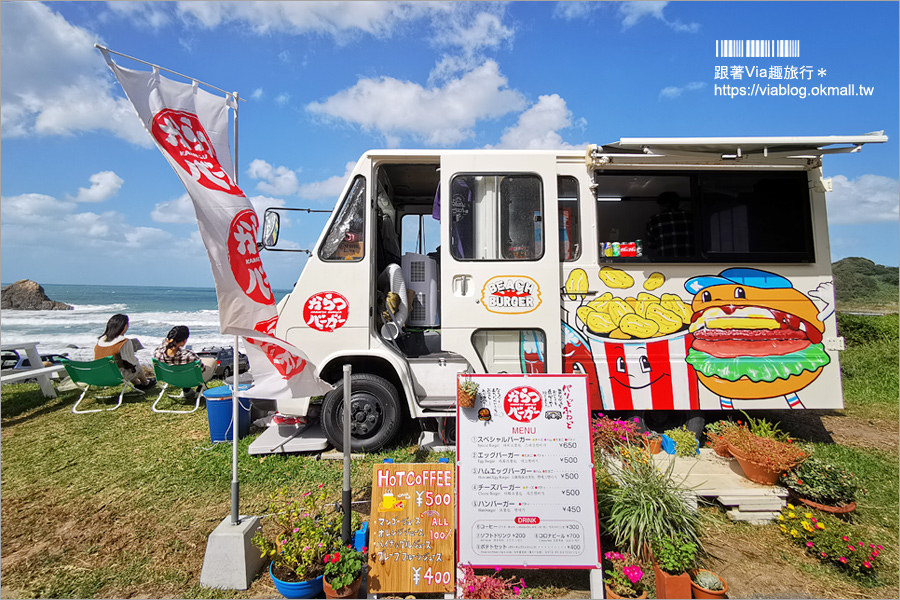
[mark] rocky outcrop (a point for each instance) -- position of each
(28, 295)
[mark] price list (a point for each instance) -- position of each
(525, 474)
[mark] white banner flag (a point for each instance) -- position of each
(190, 127)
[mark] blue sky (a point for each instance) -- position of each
(87, 199)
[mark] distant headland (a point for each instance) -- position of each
(26, 294)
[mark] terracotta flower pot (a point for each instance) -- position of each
(702, 592)
(612, 594)
(837, 510)
(653, 445)
(758, 473)
(348, 591)
(671, 586)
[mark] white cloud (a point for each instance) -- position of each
(674, 91)
(338, 19)
(633, 12)
(104, 185)
(329, 188)
(53, 80)
(179, 210)
(437, 115)
(571, 10)
(279, 181)
(257, 94)
(866, 199)
(282, 99)
(539, 126)
(29, 209)
(261, 203)
(152, 14)
(471, 27)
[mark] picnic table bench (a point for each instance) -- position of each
(42, 374)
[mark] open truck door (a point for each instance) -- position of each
(500, 261)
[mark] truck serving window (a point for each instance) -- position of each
(716, 216)
(496, 217)
(347, 235)
(569, 219)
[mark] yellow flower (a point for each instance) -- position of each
(781, 517)
(794, 532)
(783, 528)
(792, 515)
(790, 506)
(808, 515)
(820, 526)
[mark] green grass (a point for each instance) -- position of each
(869, 365)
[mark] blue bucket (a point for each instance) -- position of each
(219, 412)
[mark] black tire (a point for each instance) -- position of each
(376, 414)
(226, 372)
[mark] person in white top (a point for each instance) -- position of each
(114, 343)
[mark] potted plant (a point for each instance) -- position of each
(763, 459)
(466, 391)
(623, 579)
(296, 537)
(608, 434)
(645, 503)
(707, 584)
(652, 442)
(343, 572)
(673, 557)
(489, 586)
(683, 442)
(714, 437)
(823, 484)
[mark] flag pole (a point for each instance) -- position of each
(235, 372)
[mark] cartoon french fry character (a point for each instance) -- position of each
(755, 336)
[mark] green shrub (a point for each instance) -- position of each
(685, 441)
(861, 329)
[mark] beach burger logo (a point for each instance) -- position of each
(755, 336)
(182, 137)
(243, 257)
(511, 294)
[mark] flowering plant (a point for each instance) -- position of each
(685, 441)
(767, 452)
(299, 534)
(489, 586)
(624, 578)
(822, 480)
(608, 433)
(342, 568)
(830, 540)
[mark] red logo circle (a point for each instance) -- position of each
(326, 311)
(523, 404)
(183, 138)
(243, 257)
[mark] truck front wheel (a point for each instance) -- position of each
(375, 413)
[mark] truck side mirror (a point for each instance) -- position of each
(271, 223)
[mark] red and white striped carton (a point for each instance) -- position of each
(642, 374)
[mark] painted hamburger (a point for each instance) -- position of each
(755, 336)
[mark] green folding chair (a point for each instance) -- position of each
(179, 376)
(99, 373)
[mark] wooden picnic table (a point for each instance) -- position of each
(40, 373)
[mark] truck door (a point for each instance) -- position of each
(500, 261)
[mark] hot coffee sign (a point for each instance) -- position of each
(511, 294)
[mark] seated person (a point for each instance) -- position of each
(173, 352)
(670, 232)
(114, 343)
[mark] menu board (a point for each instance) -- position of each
(525, 476)
(411, 529)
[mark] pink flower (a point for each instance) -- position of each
(497, 569)
(851, 547)
(859, 544)
(871, 545)
(364, 549)
(822, 554)
(637, 420)
(470, 589)
(867, 565)
(321, 485)
(516, 590)
(283, 542)
(337, 556)
(845, 538)
(296, 529)
(879, 547)
(327, 558)
(305, 494)
(809, 544)
(843, 559)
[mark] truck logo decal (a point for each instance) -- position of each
(511, 294)
(326, 311)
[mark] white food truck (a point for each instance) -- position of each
(678, 274)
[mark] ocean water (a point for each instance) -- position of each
(151, 311)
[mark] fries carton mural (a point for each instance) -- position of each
(745, 334)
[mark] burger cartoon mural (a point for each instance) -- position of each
(754, 336)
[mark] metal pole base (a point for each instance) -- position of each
(231, 561)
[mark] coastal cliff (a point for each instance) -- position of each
(28, 295)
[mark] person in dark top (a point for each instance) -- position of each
(670, 232)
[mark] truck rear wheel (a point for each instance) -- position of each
(375, 413)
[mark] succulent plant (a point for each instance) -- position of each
(708, 580)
